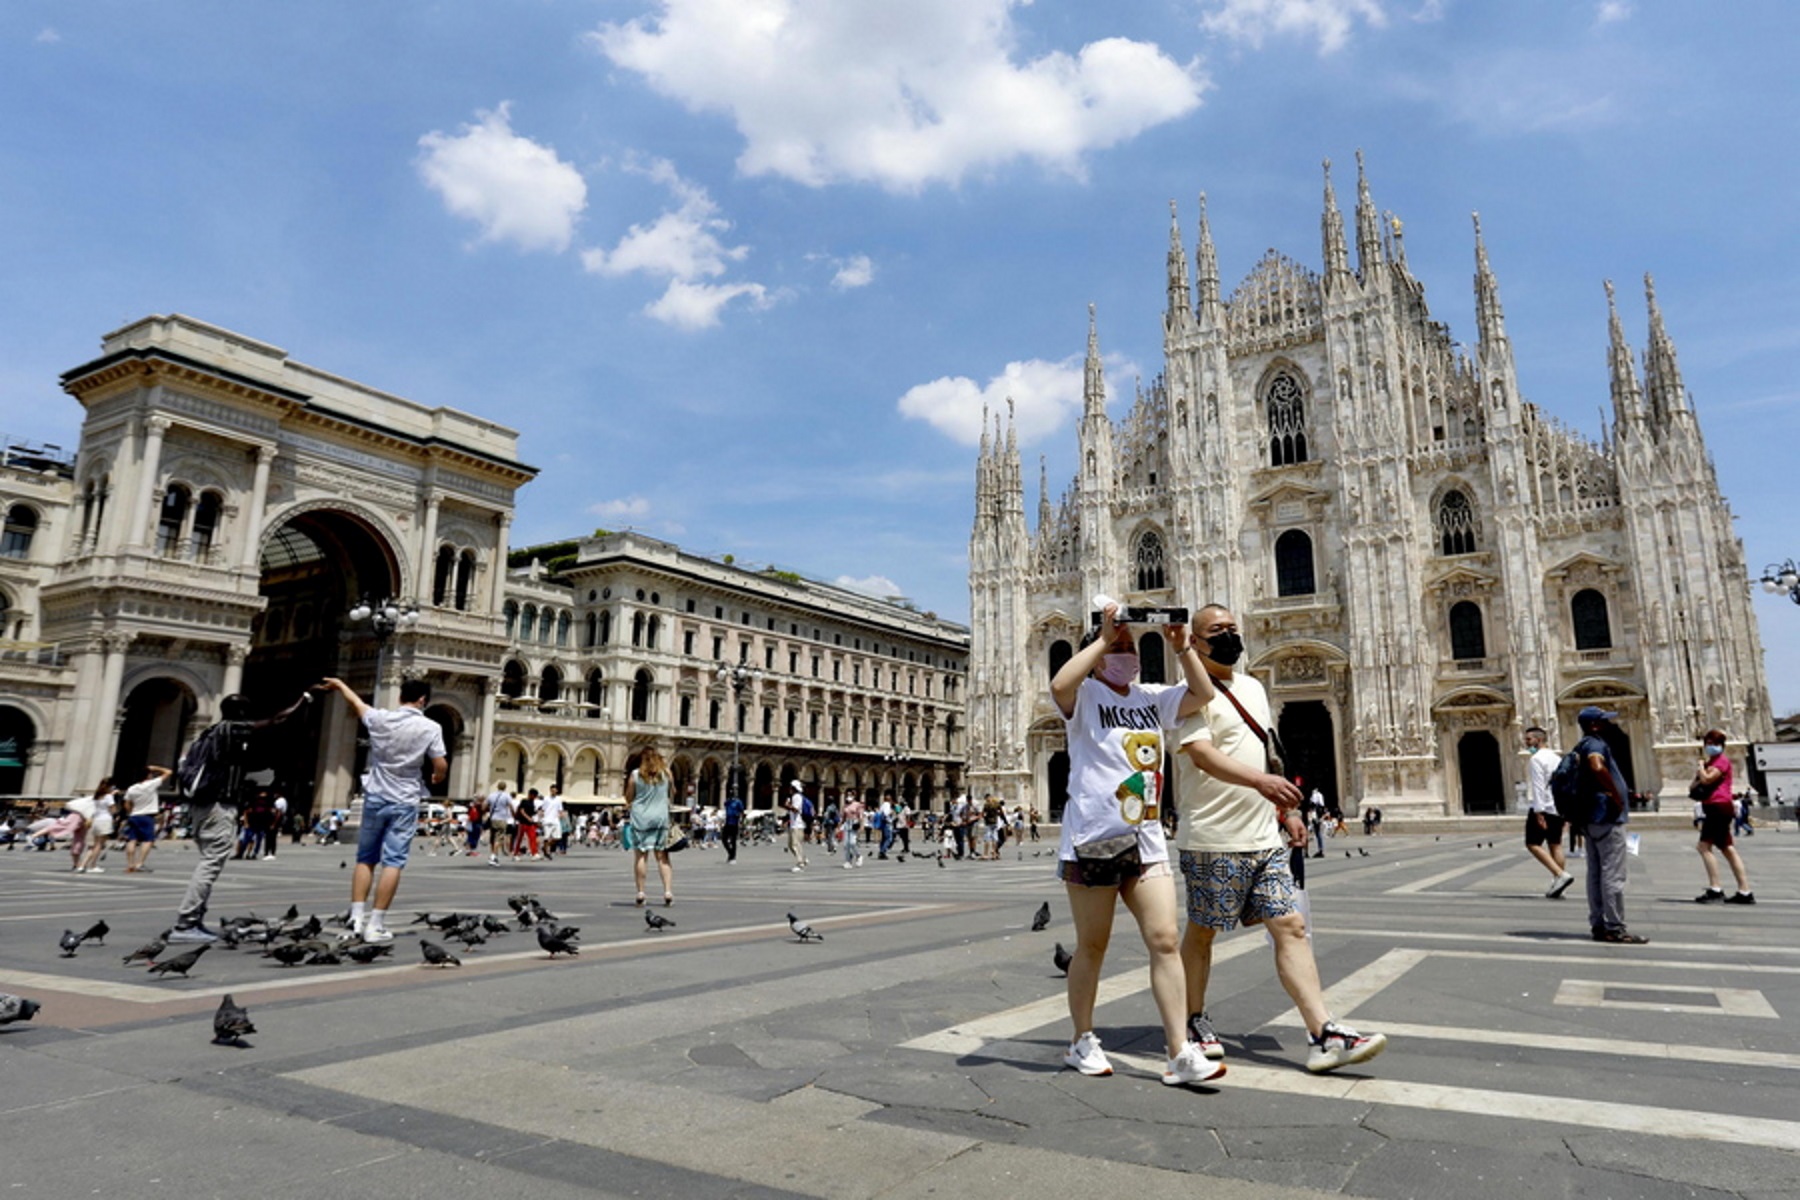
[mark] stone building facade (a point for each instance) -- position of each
(1423, 562)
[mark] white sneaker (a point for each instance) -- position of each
(1086, 1056)
(1560, 886)
(376, 935)
(795, 870)
(1340, 1046)
(1191, 1066)
(848, 865)
(96, 870)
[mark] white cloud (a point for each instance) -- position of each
(626, 507)
(854, 272)
(1043, 394)
(516, 189)
(878, 586)
(901, 93)
(47, 37)
(697, 305)
(1330, 21)
(1612, 10)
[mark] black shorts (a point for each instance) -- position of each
(1549, 835)
(1715, 824)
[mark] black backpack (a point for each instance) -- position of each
(1567, 791)
(212, 771)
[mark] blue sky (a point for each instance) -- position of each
(743, 271)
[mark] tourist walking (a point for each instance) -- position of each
(851, 819)
(1543, 826)
(734, 823)
(500, 821)
(1712, 785)
(1605, 800)
(647, 791)
(796, 805)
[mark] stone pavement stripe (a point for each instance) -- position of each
(970, 1036)
(34, 982)
(1676, 1052)
(1732, 1002)
(1431, 881)
(1568, 939)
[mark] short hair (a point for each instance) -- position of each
(236, 707)
(414, 690)
(1714, 735)
(1195, 622)
(1537, 729)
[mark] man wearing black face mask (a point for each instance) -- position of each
(1234, 854)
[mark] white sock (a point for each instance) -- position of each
(378, 918)
(357, 907)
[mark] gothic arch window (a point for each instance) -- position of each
(512, 679)
(637, 629)
(562, 628)
(528, 623)
(593, 630)
(206, 524)
(1147, 556)
(465, 579)
(605, 628)
(1285, 403)
(21, 527)
(1593, 629)
(442, 573)
(546, 626)
(1468, 639)
(1294, 564)
(650, 632)
(550, 685)
(511, 612)
(1060, 653)
(1152, 666)
(1456, 523)
(172, 517)
(640, 697)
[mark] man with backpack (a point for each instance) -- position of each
(1543, 825)
(212, 784)
(1589, 789)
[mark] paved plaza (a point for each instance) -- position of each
(915, 1051)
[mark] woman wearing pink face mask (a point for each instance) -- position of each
(1112, 836)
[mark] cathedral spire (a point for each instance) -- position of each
(1044, 515)
(1628, 407)
(1093, 390)
(1490, 322)
(1368, 223)
(1662, 374)
(1206, 263)
(1331, 224)
(1180, 293)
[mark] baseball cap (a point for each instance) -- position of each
(1594, 712)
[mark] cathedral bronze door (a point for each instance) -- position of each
(1310, 739)
(1478, 766)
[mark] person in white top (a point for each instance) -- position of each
(796, 810)
(1113, 846)
(550, 815)
(500, 822)
(1543, 827)
(101, 830)
(1234, 855)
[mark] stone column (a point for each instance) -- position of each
(88, 661)
(149, 466)
(103, 724)
(497, 585)
(259, 499)
(483, 735)
(235, 654)
(337, 759)
(422, 588)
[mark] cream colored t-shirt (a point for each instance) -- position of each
(1218, 816)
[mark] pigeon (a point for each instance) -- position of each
(1041, 920)
(181, 964)
(70, 943)
(1346, 854)
(555, 943)
(324, 958)
(292, 914)
(16, 1008)
(437, 956)
(1062, 958)
(230, 1024)
(803, 931)
(469, 938)
(150, 949)
(287, 956)
(1362, 852)
(97, 933)
(368, 954)
(495, 926)
(657, 922)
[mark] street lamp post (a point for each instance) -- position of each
(1782, 577)
(385, 618)
(737, 676)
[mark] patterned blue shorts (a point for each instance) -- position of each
(1228, 888)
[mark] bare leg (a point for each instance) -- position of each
(1543, 855)
(1298, 970)
(667, 870)
(639, 868)
(1196, 964)
(386, 887)
(1152, 902)
(1092, 911)
(1712, 866)
(360, 880)
(1736, 863)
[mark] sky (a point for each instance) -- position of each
(743, 273)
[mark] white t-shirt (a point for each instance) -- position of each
(550, 809)
(796, 806)
(1115, 765)
(143, 799)
(1538, 768)
(1216, 816)
(400, 741)
(500, 807)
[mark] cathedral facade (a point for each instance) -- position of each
(1423, 562)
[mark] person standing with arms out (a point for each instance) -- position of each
(796, 812)
(141, 803)
(1235, 857)
(1543, 827)
(1607, 802)
(401, 742)
(647, 791)
(1718, 811)
(1113, 848)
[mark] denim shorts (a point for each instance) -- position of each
(387, 832)
(1226, 888)
(141, 828)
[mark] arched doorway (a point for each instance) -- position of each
(763, 795)
(1151, 664)
(157, 714)
(1056, 783)
(709, 784)
(315, 566)
(17, 733)
(1310, 740)
(1478, 766)
(451, 722)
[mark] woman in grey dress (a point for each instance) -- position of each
(647, 791)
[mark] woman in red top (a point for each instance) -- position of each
(1717, 811)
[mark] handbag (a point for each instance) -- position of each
(1272, 748)
(1701, 791)
(1108, 862)
(677, 843)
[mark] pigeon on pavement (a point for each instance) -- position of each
(150, 949)
(1062, 958)
(657, 922)
(495, 926)
(437, 956)
(288, 956)
(555, 943)
(324, 958)
(1040, 921)
(181, 964)
(292, 914)
(97, 933)
(70, 943)
(16, 1008)
(368, 954)
(804, 931)
(230, 1024)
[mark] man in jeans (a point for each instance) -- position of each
(401, 741)
(212, 780)
(1603, 786)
